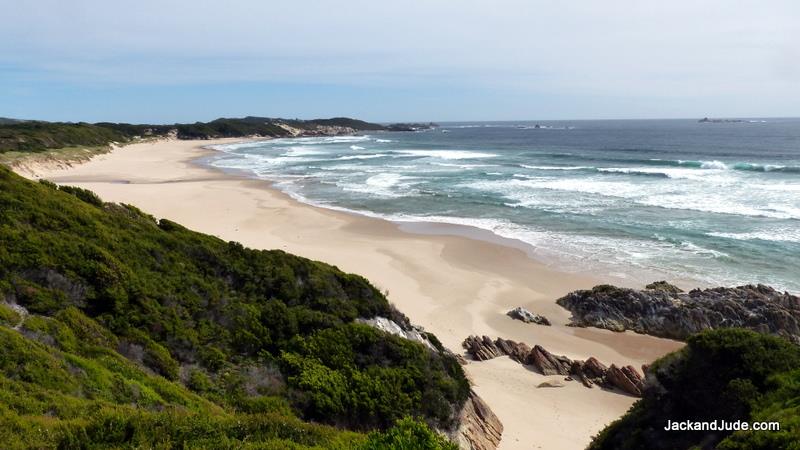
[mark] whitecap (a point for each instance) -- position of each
(446, 154)
(302, 151)
(526, 166)
(362, 156)
(776, 235)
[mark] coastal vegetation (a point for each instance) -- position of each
(38, 136)
(122, 330)
(727, 374)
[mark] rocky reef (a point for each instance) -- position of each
(664, 310)
(526, 316)
(590, 372)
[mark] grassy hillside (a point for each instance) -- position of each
(33, 136)
(142, 332)
(727, 374)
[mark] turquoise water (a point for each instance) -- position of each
(718, 203)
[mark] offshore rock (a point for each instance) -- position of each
(526, 316)
(664, 310)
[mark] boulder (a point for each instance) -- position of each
(518, 351)
(526, 316)
(625, 379)
(554, 383)
(547, 363)
(481, 348)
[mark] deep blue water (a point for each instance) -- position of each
(714, 202)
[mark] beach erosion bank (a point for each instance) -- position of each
(450, 284)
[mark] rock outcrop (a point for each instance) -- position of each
(590, 372)
(482, 348)
(411, 332)
(664, 310)
(526, 316)
(479, 428)
(548, 363)
(626, 379)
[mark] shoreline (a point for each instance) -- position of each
(452, 285)
(626, 276)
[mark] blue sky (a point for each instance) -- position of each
(168, 61)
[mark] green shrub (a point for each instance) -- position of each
(198, 381)
(83, 194)
(408, 434)
(726, 374)
(8, 316)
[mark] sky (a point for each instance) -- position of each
(168, 61)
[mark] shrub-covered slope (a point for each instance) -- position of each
(141, 331)
(726, 374)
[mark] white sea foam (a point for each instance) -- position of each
(302, 151)
(446, 154)
(341, 139)
(588, 186)
(719, 165)
(356, 147)
(719, 203)
(668, 172)
(229, 148)
(365, 156)
(776, 235)
(383, 141)
(384, 180)
(526, 166)
(461, 166)
(383, 184)
(778, 187)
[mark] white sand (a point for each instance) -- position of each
(451, 285)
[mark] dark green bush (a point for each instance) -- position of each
(726, 374)
(408, 434)
(83, 194)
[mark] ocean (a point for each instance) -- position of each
(709, 203)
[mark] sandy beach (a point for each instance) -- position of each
(452, 285)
